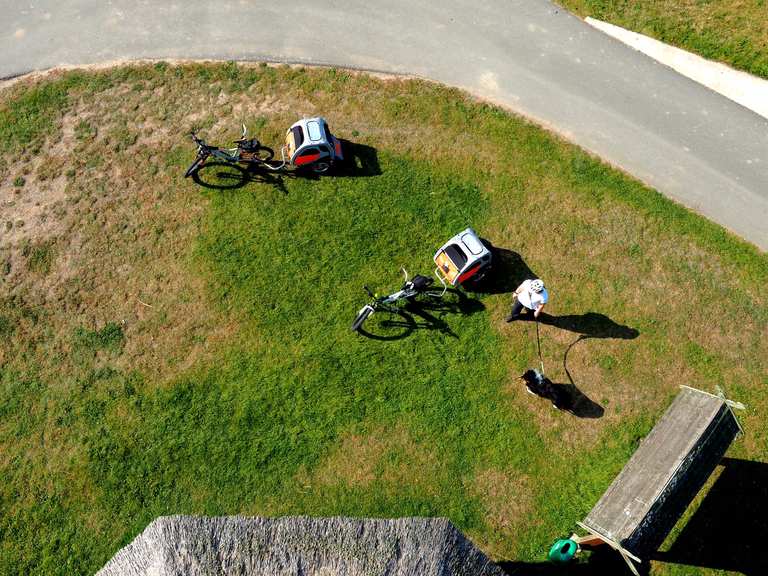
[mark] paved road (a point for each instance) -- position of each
(691, 144)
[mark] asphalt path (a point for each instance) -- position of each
(529, 55)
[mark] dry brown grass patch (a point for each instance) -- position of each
(506, 498)
(386, 455)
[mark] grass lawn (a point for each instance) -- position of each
(169, 348)
(732, 31)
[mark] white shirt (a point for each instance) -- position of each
(531, 299)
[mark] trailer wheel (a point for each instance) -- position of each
(320, 167)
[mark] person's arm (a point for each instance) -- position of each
(519, 289)
(538, 311)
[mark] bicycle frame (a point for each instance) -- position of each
(236, 155)
(389, 303)
(404, 293)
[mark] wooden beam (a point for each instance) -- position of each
(626, 554)
(590, 540)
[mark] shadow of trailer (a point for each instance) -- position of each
(671, 465)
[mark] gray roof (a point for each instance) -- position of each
(299, 546)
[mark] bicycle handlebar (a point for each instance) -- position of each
(198, 141)
(202, 143)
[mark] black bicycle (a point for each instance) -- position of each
(417, 286)
(247, 151)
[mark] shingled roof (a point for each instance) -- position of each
(299, 546)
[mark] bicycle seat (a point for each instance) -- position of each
(245, 144)
(421, 282)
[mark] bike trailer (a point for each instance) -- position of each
(310, 142)
(463, 259)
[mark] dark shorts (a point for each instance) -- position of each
(517, 308)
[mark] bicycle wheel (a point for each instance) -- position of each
(219, 175)
(388, 325)
(362, 316)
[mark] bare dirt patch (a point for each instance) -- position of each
(506, 498)
(87, 237)
(33, 194)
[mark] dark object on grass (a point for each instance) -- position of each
(300, 546)
(728, 530)
(540, 385)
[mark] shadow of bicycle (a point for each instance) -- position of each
(422, 314)
(360, 161)
(226, 176)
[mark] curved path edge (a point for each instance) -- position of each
(530, 56)
(743, 88)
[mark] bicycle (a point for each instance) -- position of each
(411, 289)
(247, 151)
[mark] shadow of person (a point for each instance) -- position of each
(729, 530)
(359, 161)
(589, 325)
(508, 270)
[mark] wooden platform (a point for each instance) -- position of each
(666, 472)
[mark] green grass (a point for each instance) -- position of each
(731, 31)
(168, 348)
(110, 337)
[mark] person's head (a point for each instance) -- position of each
(537, 285)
